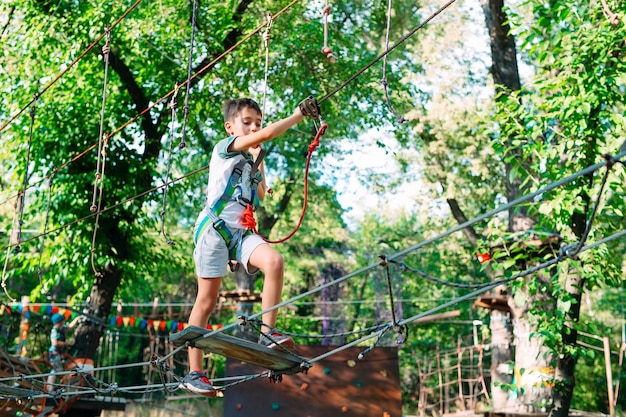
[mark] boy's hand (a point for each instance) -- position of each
(309, 107)
(254, 151)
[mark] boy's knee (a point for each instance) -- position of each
(274, 262)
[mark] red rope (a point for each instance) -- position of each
(247, 218)
(314, 144)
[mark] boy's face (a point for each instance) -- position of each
(245, 122)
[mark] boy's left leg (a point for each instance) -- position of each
(268, 260)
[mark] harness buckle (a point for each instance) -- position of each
(220, 226)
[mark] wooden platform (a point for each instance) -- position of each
(240, 349)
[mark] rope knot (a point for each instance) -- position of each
(314, 144)
(247, 218)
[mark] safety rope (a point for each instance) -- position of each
(101, 155)
(43, 236)
(428, 277)
(172, 105)
(613, 17)
(98, 213)
(15, 237)
(4, 274)
(21, 201)
(106, 49)
(610, 162)
(248, 216)
(182, 143)
(266, 42)
(326, 49)
(399, 118)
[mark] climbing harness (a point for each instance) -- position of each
(309, 108)
(212, 218)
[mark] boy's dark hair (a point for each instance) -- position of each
(232, 107)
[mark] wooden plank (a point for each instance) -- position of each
(239, 349)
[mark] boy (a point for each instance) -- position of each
(235, 179)
(58, 343)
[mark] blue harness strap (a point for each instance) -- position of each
(212, 217)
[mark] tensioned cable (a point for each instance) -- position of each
(394, 46)
(62, 73)
(594, 211)
(166, 96)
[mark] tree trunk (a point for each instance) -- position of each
(502, 356)
(564, 376)
(534, 362)
(88, 333)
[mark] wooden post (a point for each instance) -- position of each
(609, 374)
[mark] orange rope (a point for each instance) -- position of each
(314, 144)
(247, 218)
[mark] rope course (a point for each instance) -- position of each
(95, 385)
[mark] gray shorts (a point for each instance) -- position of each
(211, 254)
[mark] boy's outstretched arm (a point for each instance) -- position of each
(268, 133)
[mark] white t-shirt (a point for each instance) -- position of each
(220, 169)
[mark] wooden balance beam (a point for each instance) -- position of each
(277, 360)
